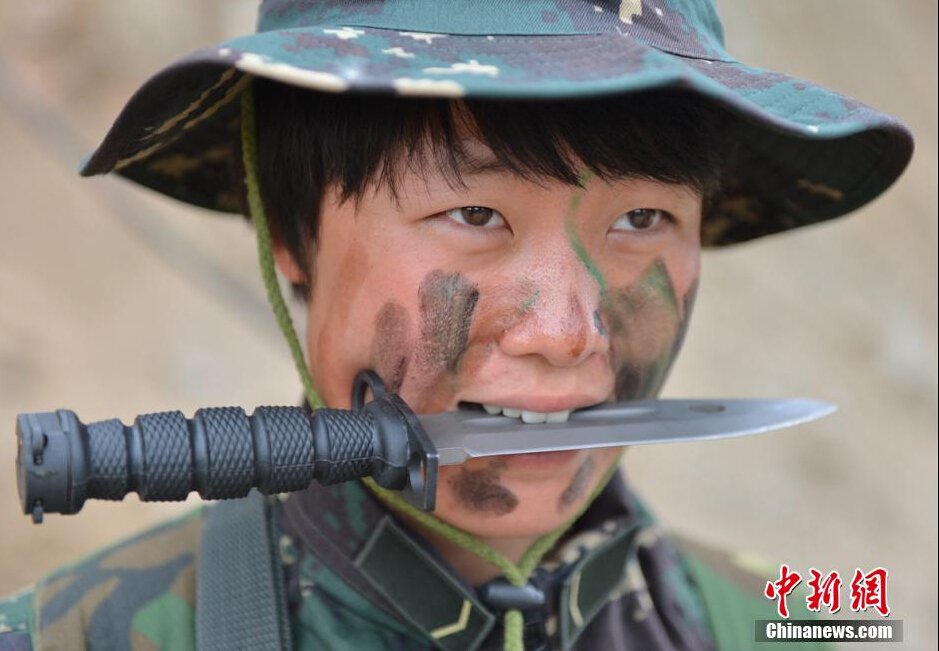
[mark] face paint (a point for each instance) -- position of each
(481, 492)
(579, 484)
(578, 339)
(598, 323)
(573, 237)
(646, 325)
(447, 302)
(531, 298)
(391, 348)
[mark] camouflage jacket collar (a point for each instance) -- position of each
(614, 582)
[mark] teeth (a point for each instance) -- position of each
(529, 416)
(533, 417)
(557, 416)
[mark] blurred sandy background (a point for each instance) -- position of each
(116, 301)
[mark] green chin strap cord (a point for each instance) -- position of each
(517, 575)
(249, 154)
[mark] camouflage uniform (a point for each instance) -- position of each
(356, 577)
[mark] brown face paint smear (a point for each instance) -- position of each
(480, 491)
(391, 348)
(578, 339)
(580, 482)
(447, 302)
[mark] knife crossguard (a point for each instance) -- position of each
(221, 453)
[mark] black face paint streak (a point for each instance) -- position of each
(580, 482)
(447, 302)
(391, 349)
(480, 491)
(598, 323)
(647, 326)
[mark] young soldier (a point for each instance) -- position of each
(503, 205)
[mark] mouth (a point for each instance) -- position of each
(525, 415)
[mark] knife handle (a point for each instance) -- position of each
(219, 453)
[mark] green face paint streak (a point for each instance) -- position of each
(570, 228)
(574, 239)
(526, 305)
(657, 280)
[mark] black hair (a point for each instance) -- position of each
(309, 141)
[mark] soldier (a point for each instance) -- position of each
(502, 206)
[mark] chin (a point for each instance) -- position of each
(526, 521)
(519, 495)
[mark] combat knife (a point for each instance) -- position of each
(224, 453)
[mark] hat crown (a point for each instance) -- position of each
(685, 27)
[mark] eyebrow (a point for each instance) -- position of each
(472, 165)
(477, 158)
(488, 165)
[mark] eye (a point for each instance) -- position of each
(478, 216)
(640, 219)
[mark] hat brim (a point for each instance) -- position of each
(806, 154)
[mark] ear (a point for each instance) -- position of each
(286, 263)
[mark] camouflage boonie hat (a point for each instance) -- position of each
(806, 154)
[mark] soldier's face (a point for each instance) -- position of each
(538, 298)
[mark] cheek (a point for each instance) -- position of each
(359, 318)
(390, 353)
(646, 320)
(458, 325)
(340, 274)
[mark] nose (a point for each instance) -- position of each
(562, 322)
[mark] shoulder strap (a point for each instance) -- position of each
(240, 599)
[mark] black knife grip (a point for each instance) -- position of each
(345, 443)
(219, 453)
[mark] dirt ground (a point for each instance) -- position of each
(116, 301)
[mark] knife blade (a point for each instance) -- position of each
(465, 434)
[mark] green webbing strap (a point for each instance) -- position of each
(517, 575)
(239, 592)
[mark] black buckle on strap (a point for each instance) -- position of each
(500, 595)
